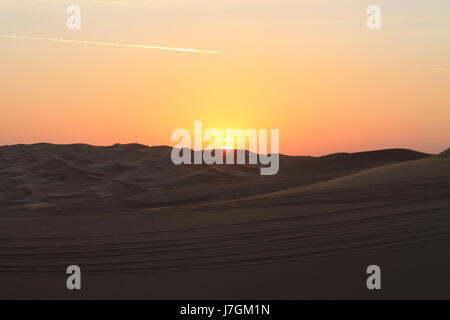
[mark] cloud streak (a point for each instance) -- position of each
(441, 69)
(110, 44)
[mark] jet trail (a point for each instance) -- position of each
(109, 44)
(441, 69)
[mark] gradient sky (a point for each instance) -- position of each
(308, 67)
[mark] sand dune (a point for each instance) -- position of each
(429, 169)
(141, 227)
(445, 154)
(143, 177)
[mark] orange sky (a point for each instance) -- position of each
(308, 68)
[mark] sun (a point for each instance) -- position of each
(228, 143)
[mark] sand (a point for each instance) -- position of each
(140, 227)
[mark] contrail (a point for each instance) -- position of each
(110, 44)
(441, 69)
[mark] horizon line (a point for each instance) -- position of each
(224, 150)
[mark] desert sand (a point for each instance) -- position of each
(141, 227)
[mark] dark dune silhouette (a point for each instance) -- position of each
(133, 177)
(445, 154)
(223, 231)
